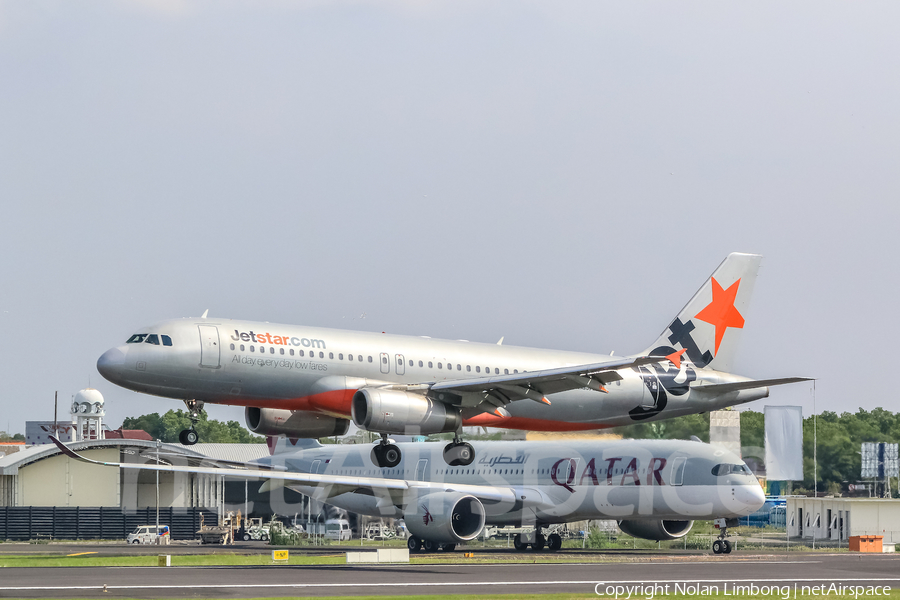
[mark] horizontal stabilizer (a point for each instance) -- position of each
(722, 388)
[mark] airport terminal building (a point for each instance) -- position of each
(39, 478)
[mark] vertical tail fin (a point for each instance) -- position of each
(708, 328)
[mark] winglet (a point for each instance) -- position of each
(205, 312)
(500, 343)
(72, 454)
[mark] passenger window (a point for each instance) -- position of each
(420, 363)
(272, 350)
(136, 338)
(232, 346)
(167, 341)
(459, 368)
(242, 347)
(440, 366)
(370, 359)
(506, 371)
(251, 348)
(281, 350)
(152, 339)
(330, 354)
(262, 350)
(430, 365)
(349, 357)
(515, 370)
(321, 355)
(411, 363)
(302, 353)
(384, 360)
(478, 369)
(496, 371)
(359, 358)
(340, 357)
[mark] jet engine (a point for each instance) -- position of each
(393, 411)
(293, 423)
(656, 530)
(445, 517)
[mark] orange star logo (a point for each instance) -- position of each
(721, 313)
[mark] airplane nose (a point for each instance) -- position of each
(754, 497)
(110, 363)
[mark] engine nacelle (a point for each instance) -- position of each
(293, 423)
(445, 517)
(393, 411)
(656, 530)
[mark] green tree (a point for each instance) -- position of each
(168, 426)
(5, 437)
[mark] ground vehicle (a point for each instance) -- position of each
(337, 529)
(255, 530)
(147, 534)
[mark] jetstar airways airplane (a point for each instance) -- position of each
(306, 382)
(654, 488)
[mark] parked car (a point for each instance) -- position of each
(147, 534)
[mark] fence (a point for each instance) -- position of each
(80, 522)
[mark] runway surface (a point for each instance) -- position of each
(394, 580)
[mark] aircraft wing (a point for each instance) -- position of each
(495, 392)
(334, 485)
(722, 388)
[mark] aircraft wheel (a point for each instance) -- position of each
(392, 456)
(519, 543)
(539, 542)
(457, 455)
(414, 544)
(429, 546)
(727, 549)
(448, 547)
(718, 547)
(554, 542)
(188, 437)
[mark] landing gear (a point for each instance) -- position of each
(189, 437)
(721, 545)
(458, 453)
(385, 454)
(554, 542)
(537, 541)
(419, 545)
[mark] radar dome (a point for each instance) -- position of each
(87, 402)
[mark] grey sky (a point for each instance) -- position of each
(562, 174)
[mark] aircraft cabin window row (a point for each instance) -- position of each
(150, 338)
(167, 341)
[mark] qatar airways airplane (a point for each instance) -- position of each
(308, 382)
(655, 489)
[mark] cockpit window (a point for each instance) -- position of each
(166, 340)
(136, 338)
(152, 339)
(726, 469)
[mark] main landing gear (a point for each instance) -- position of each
(418, 545)
(458, 453)
(189, 437)
(537, 541)
(385, 454)
(721, 545)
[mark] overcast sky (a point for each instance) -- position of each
(564, 174)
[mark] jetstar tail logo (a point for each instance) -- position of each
(721, 313)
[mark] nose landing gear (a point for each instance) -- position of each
(720, 545)
(189, 437)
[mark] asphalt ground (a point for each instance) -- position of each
(398, 580)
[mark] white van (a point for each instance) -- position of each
(337, 529)
(147, 534)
